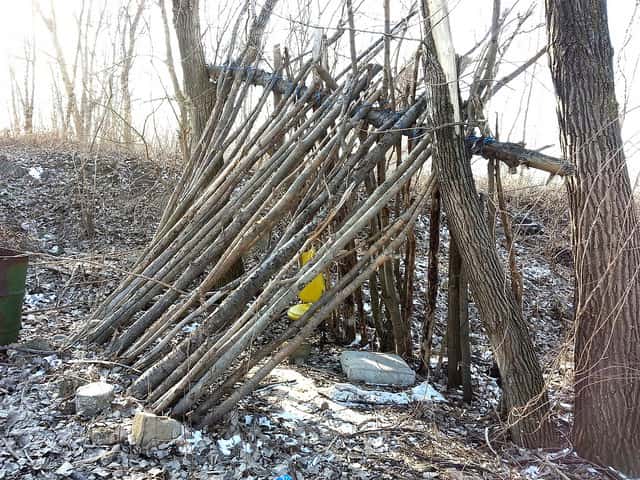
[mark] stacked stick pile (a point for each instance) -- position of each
(315, 172)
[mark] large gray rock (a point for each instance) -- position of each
(93, 398)
(149, 430)
(377, 368)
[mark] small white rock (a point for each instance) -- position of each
(149, 429)
(93, 398)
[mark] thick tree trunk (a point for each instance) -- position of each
(605, 237)
(523, 383)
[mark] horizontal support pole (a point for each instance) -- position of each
(512, 154)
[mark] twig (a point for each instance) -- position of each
(52, 309)
(10, 450)
(106, 363)
(486, 439)
(387, 429)
(33, 351)
(271, 386)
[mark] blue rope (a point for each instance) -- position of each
(474, 144)
(488, 140)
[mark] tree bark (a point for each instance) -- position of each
(128, 44)
(523, 383)
(183, 118)
(454, 311)
(197, 87)
(604, 234)
(458, 348)
(68, 78)
(433, 281)
(465, 341)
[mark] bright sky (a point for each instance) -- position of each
(470, 19)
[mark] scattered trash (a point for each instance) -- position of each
(36, 172)
(65, 469)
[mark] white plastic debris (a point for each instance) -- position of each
(356, 342)
(36, 172)
(425, 392)
(531, 471)
(347, 393)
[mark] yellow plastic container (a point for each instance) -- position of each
(310, 293)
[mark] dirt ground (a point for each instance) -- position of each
(84, 218)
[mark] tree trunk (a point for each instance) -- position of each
(433, 282)
(200, 92)
(183, 118)
(128, 44)
(523, 383)
(458, 348)
(454, 311)
(465, 341)
(67, 78)
(197, 87)
(605, 237)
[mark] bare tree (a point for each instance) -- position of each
(128, 39)
(68, 74)
(23, 93)
(184, 130)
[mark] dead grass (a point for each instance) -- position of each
(529, 197)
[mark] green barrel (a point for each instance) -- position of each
(13, 277)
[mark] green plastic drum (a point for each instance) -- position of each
(13, 277)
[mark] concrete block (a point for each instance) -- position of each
(93, 398)
(149, 430)
(377, 368)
